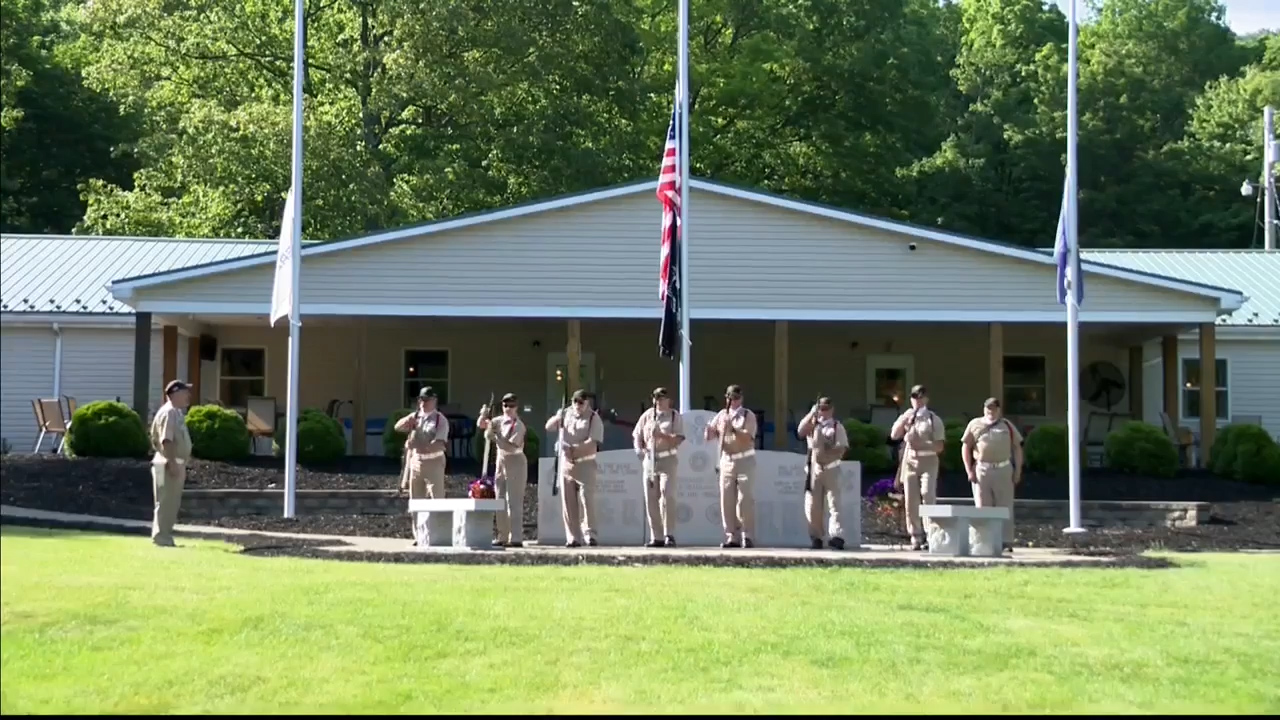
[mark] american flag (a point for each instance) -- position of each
(669, 257)
(1068, 277)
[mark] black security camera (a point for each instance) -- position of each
(911, 247)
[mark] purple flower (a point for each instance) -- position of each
(880, 489)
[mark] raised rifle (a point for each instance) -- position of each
(555, 467)
(486, 413)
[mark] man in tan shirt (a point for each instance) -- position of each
(828, 440)
(507, 431)
(583, 431)
(736, 426)
(657, 438)
(923, 435)
(427, 431)
(172, 443)
(992, 454)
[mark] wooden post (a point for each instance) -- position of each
(995, 360)
(169, 354)
(359, 431)
(193, 368)
(1169, 377)
(142, 364)
(1135, 382)
(1208, 390)
(781, 378)
(573, 349)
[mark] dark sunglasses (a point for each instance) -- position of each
(579, 401)
(508, 404)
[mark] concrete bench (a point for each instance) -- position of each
(454, 522)
(961, 530)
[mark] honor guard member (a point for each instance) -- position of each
(172, 443)
(736, 427)
(583, 433)
(992, 455)
(427, 431)
(923, 435)
(657, 438)
(507, 431)
(828, 441)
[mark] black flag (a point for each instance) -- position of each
(669, 334)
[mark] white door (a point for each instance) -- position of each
(889, 379)
(557, 363)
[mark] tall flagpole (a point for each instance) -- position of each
(682, 60)
(1073, 292)
(291, 409)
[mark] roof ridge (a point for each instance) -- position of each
(128, 238)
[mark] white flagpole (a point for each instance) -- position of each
(682, 60)
(1073, 273)
(291, 409)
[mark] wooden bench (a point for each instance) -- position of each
(454, 522)
(964, 530)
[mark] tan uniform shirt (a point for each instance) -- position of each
(828, 440)
(669, 422)
(992, 442)
(580, 428)
(925, 432)
(743, 421)
(169, 424)
(507, 433)
(432, 427)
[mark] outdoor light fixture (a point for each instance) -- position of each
(1246, 189)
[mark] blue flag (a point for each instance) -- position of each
(1069, 277)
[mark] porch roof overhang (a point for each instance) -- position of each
(1226, 300)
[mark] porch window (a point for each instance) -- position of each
(242, 375)
(426, 368)
(1191, 388)
(1025, 386)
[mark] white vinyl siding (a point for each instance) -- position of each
(26, 373)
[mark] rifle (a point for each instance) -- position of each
(555, 467)
(487, 413)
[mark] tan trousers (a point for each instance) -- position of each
(167, 482)
(660, 497)
(578, 499)
(426, 477)
(508, 484)
(919, 487)
(737, 501)
(995, 489)
(825, 491)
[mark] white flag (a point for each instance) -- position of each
(282, 291)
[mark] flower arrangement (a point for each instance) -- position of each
(884, 498)
(482, 489)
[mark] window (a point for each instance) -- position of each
(242, 374)
(1025, 386)
(426, 368)
(1191, 388)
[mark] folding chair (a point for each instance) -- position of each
(260, 419)
(49, 421)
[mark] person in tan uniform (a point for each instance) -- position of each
(828, 440)
(427, 431)
(172, 443)
(736, 426)
(992, 455)
(923, 434)
(657, 438)
(507, 431)
(581, 438)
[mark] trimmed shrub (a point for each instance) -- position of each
(951, 459)
(107, 428)
(1259, 464)
(532, 443)
(1141, 449)
(867, 446)
(217, 433)
(320, 438)
(1046, 449)
(392, 441)
(1246, 452)
(1222, 455)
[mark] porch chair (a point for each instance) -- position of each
(1181, 437)
(260, 419)
(49, 421)
(1096, 430)
(71, 408)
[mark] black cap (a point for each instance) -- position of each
(427, 393)
(175, 386)
(583, 395)
(660, 392)
(991, 402)
(733, 391)
(509, 399)
(824, 401)
(918, 391)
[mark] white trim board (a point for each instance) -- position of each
(1003, 314)
(76, 320)
(124, 288)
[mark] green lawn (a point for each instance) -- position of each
(103, 624)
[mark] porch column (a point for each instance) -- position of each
(169, 355)
(781, 378)
(1169, 376)
(1208, 390)
(358, 422)
(1135, 382)
(573, 349)
(193, 368)
(995, 361)
(142, 364)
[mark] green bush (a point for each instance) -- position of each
(532, 441)
(1141, 449)
(217, 433)
(392, 441)
(1046, 449)
(106, 428)
(1245, 452)
(867, 446)
(951, 459)
(320, 438)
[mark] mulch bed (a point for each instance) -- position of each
(1243, 515)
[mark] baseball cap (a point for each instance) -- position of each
(175, 386)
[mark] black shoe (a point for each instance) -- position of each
(515, 544)
(730, 544)
(573, 544)
(671, 541)
(592, 542)
(836, 543)
(1008, 548)
(815, 543)
(653, 543)
(746, 543)
(916, 545)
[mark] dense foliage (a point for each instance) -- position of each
(217, 433)
(107, 429)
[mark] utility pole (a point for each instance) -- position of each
(1270, 149)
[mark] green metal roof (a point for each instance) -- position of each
(1256, 273)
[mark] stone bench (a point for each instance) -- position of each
(454, 522)
(961, 530)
